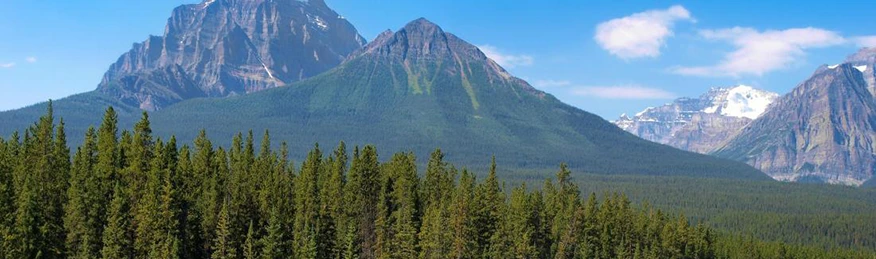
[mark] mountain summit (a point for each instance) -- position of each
(229, 47)
(420, 88)
(824, 130)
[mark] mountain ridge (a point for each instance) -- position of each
(220, 48)
(823, 130)
(699, 124)
(409, 94)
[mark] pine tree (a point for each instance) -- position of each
(332, 191)
(307, 203)
(523, 221)
(589, 236)
(80, 212)
(26, 239)
(223, 245)
(275, 243)
(167, 227)
(362, 192)
(462, 218)
(560, 206)
(7, 198)
(117, 240)
(42, 172)
(250, 250)
(150, 215)
(207, 182)
(490, 200)
(138, 156)
(404, 223)
(435, 238)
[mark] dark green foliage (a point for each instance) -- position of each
(132, 196)
(829, 217)
(117, 238)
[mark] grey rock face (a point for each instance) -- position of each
(699, 124)
(228, 47)
(823, 129)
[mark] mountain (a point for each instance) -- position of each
(421, 88)
(699, 124)
(222, 48)
(822, 131)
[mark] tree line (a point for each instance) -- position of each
(130, 194)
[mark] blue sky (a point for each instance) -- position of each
(606, 57)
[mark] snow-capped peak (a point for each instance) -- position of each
(741, 101)
(833, 66)
(646, 110)
(861, 68)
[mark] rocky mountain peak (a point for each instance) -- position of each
(864, 55)
(739, 101)
(823, 130)
(699, 124)
(422, 46)
(220, 48)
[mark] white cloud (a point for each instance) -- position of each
(759, 52)
(622, 92)
(7, 65)
(31, 59)
(506, 60)
(551, 83)
(641, 34)
(865, 41)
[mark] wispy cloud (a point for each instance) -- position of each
(642, 34)
(506, 60)
(760, 52)
(551, 83)
(31, 59)
(7, 65)
(865, 41)
(634, 92)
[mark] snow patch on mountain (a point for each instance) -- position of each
(699, 124)
(741, 101)
(646, 110)
(861, 68)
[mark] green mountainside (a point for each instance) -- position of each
(421, 88)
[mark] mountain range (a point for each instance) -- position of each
(699, 124)
(225, 66)
(822, 131)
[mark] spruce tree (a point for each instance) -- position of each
(490, 200)
(307, 203)
(404, 218)
(6, 197)
(223, 245)
(275, 243)
(117, 240)
(250, 249)
(462, 220)
(80, 212)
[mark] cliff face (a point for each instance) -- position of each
(822, 131)
(228, 47)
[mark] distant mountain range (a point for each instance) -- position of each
(822, 131)
(415, 89)
(699, 124)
